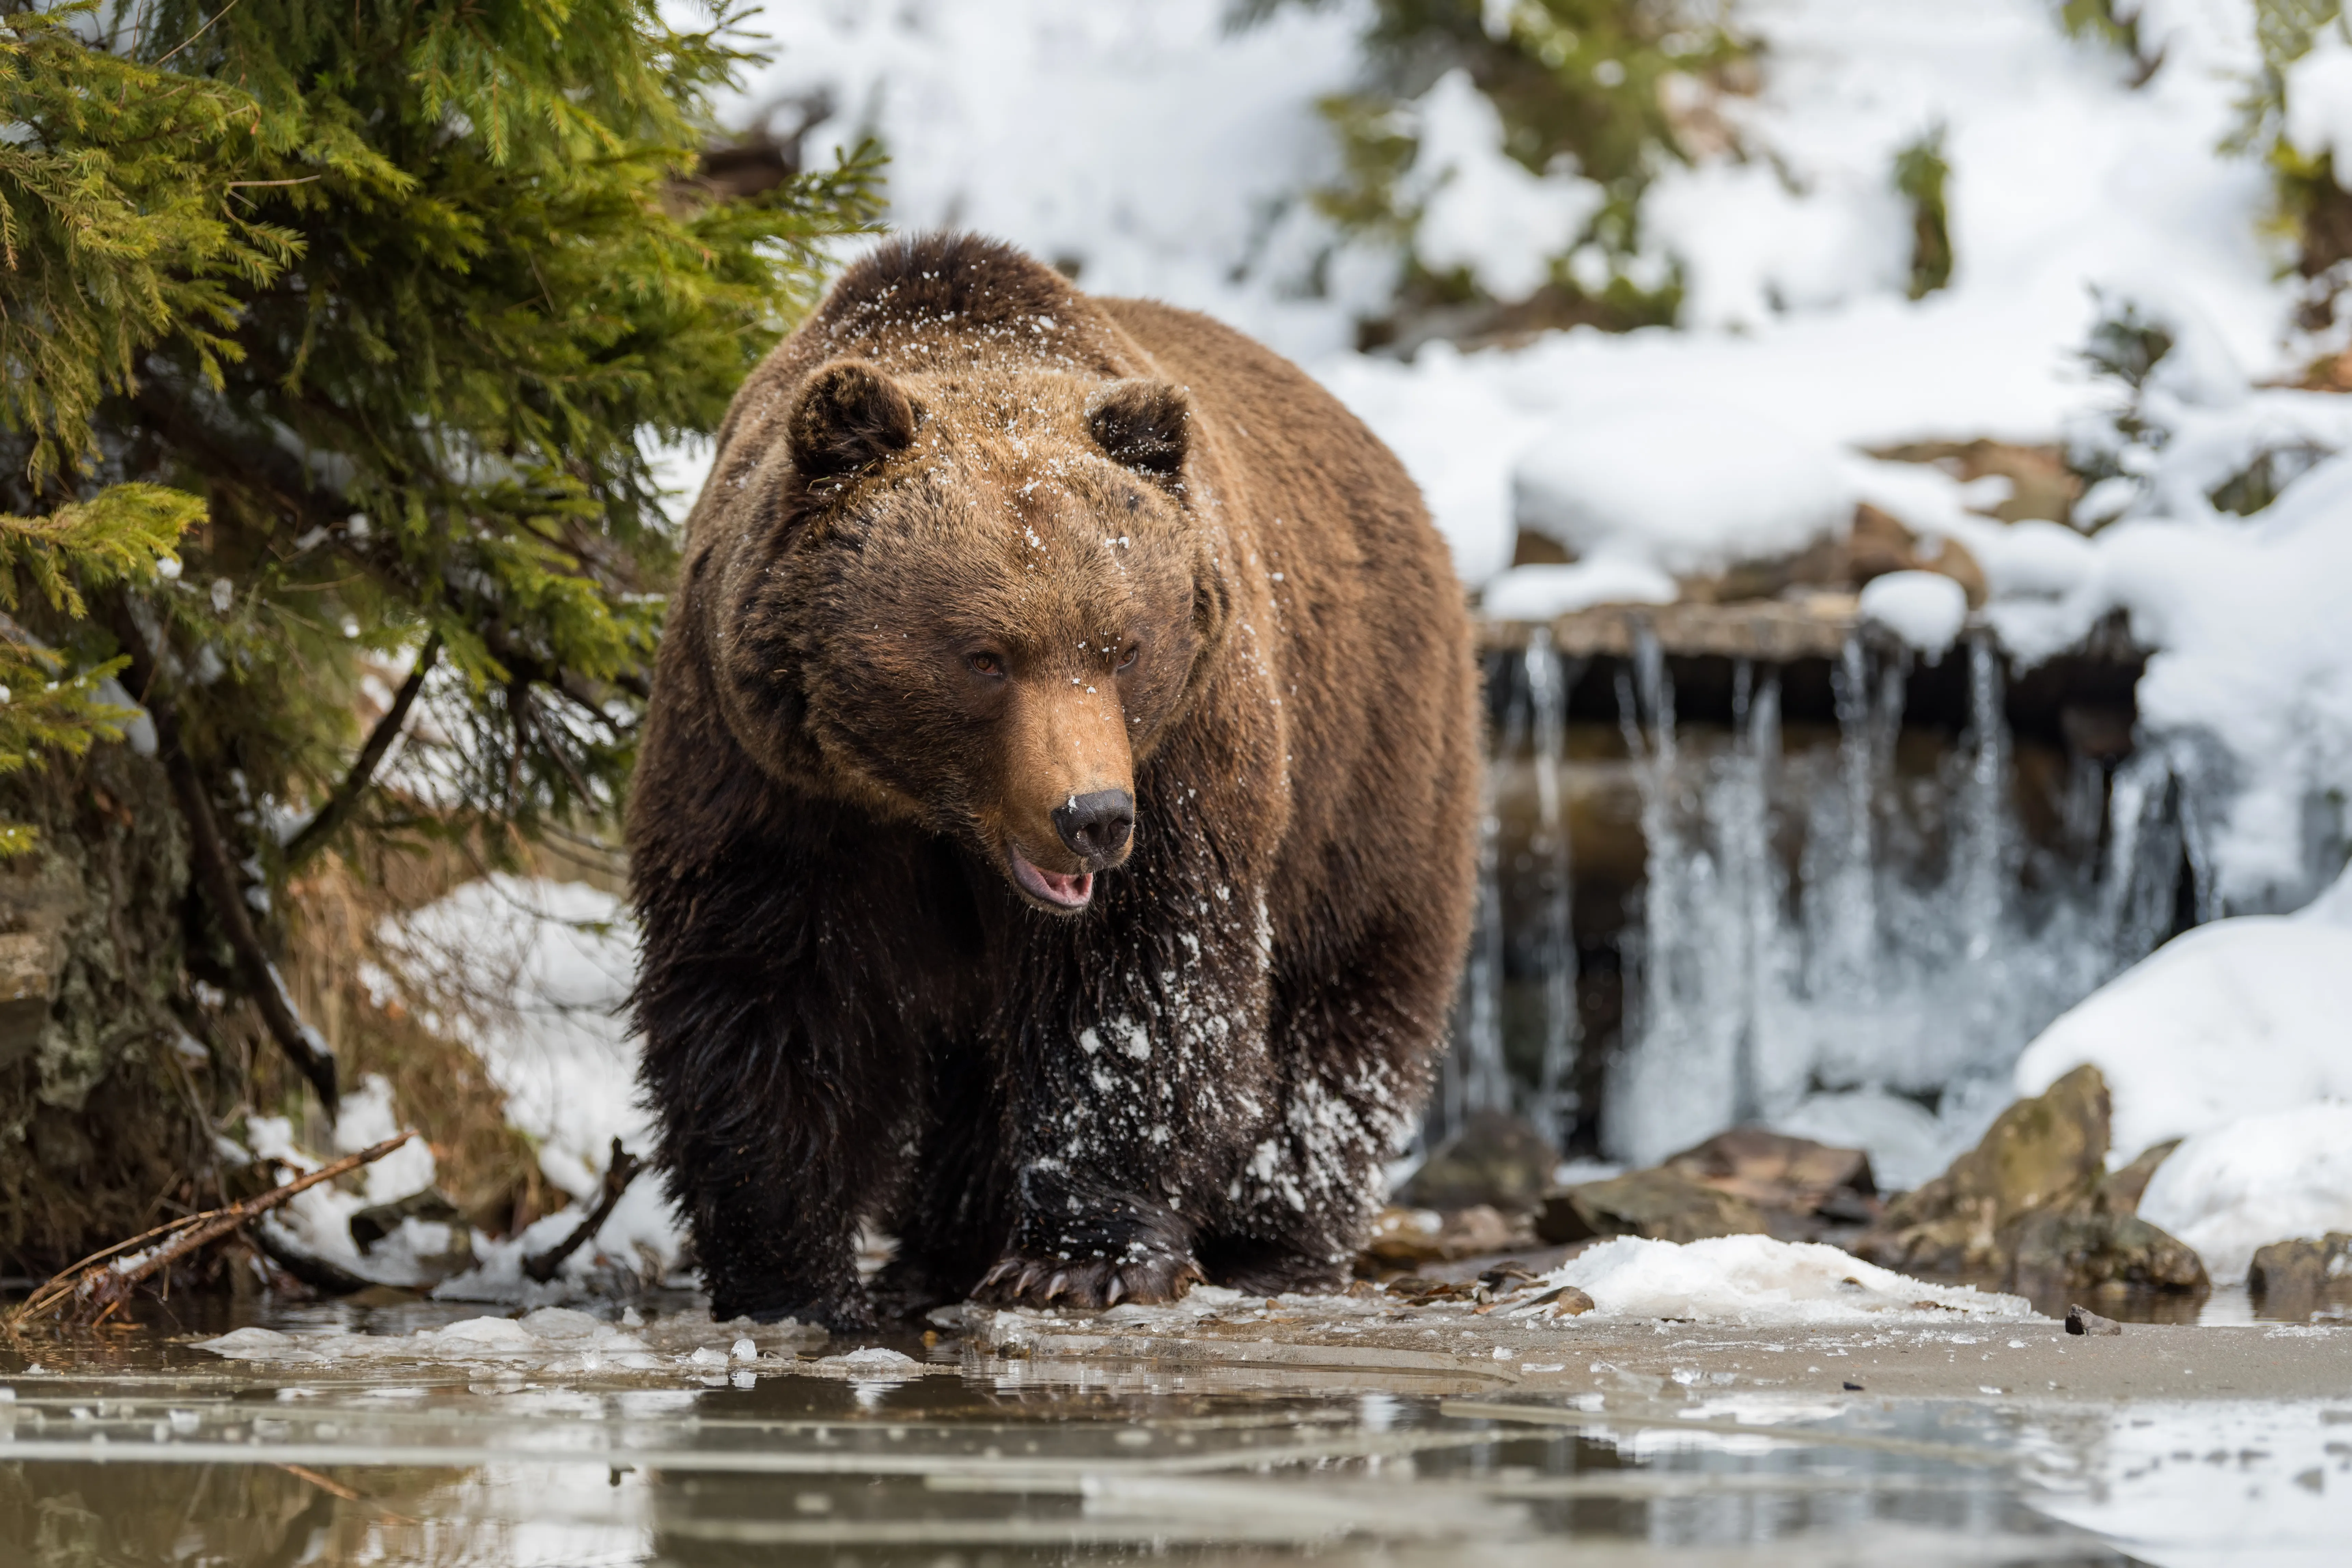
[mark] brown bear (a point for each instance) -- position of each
(1053, 835)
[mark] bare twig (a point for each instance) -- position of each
(340, 805)
(305, 1045)
(619, 1172)
(101, 1281)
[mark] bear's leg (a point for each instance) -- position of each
(1357, 1043)
(780, 1122)
(954, 1209)
(1134, 1070)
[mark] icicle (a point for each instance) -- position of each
(1982, 850)
(1483, 1081)
(1548, 679)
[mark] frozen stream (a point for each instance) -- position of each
(1274, 1431)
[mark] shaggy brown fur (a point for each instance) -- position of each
(1052, 840)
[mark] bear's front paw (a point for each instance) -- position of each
(1145, 1276)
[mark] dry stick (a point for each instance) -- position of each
(328, 817)
(113, 1282)
(307, 1048)
(619, 1172)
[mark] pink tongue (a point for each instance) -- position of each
(1073, 888)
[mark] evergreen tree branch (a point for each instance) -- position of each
(323, 823)
(216, 873)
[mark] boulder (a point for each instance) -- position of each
(2081, 1247)
(1407, 1237)
(2034, 1207)
(1880, 544)
(1495, 1158)
(1661, 1204)
(2040, 1152)
(2296, 1279)
(1804, 1188)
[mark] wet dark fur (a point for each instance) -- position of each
(849, 1012)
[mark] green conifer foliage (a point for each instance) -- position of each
(345, 328)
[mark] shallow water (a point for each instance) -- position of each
(134, 1447)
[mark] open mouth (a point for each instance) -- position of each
(1056, 890)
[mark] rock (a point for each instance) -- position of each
(2034, 1207)
(2043, 1151)
(2295, 1279)
(1497, 1159)
(1405, 1237)
(372, 1224)
(1661, 1204)
(1803, 1188)
(2080, 1247)
(2083, 1321)
(1560, 1302)
(1879, 544)
(2041, 484)
(2120, 1191)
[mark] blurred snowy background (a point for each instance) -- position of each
(2032, 304)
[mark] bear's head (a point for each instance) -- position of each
(982, 599)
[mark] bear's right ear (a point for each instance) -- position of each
(850, 414)
(1142, 424)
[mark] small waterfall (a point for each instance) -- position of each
(1887, 1008)
(1836, 923)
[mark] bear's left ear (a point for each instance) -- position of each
(849, 415)
(1144, 425)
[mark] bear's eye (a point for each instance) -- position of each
(1130, 656)
(984, 664)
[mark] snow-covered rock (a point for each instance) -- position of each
(2253, 1181)
(2239, 1018)
(1684, 485)
(1923, 608)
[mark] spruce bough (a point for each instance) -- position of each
(342, 332)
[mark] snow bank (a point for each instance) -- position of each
(2239, 1018)
(2235, 1038)
(2256, 1180)
(1482, 211)
(2319, 101)
(1758, 1281)
(533, 975)
(1152, 150)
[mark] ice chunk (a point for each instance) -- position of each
(1757, 1281)
(1923, 608)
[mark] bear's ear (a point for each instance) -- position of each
(1143, 425)
(849, 415)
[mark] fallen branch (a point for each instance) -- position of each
(218, 871)
(102, 1281)
(619, 1172)
(314, 833)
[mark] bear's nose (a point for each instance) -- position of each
(1095, 826)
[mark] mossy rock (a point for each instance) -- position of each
(1662, 1204)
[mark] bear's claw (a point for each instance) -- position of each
(1091, 1283)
